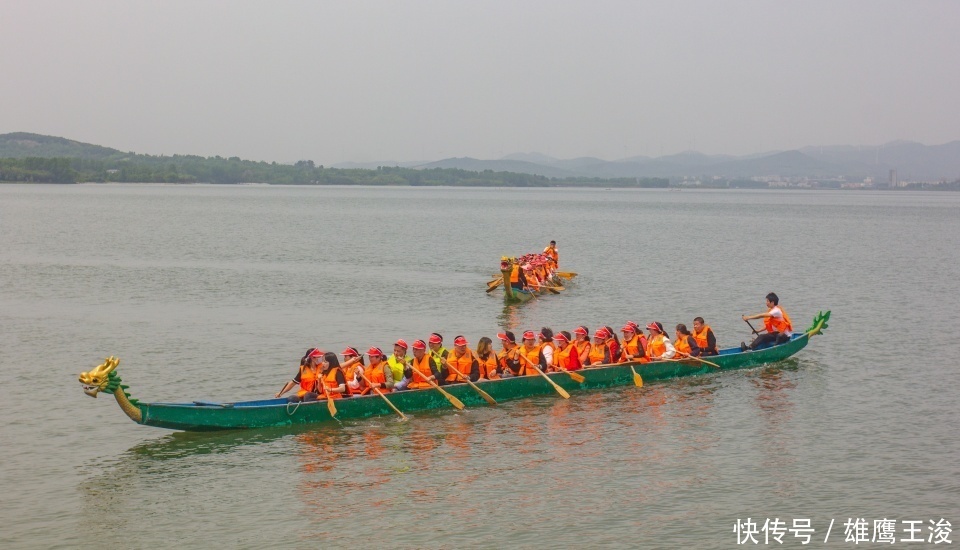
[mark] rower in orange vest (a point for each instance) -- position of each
(463, 362)
(334, 380)
(551, 250)
(686, 344)
(547, 348)
(307, 378)
(613, 344)
(531, 353)
(775, 321)
(487, 358)
(509, 356)
(352, 365)
(378, 372)
(599, 353)
(658, 345)
(633, 349)
(424, 367)
(706, 340)
(582, 343)
(566, 356)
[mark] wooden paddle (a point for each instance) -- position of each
(637, 381)
(496, 281)
(496, 286)
(556, 386)
(747, 321)
(403, 417)
(576, 377)
(453, 400)
(698, 359)
(330, 406)
(566, 274)
(466, 379)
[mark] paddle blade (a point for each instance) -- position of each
(637, 381)
(486, 396)
(456, 402)
(494, 287)
(577, 378)
(331, 407)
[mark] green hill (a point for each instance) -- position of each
(20, 145)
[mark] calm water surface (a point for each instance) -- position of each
(210, 292)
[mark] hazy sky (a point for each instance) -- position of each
(416, 80)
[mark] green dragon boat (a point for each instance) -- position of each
(206, 416)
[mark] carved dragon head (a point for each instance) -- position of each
(101, 378)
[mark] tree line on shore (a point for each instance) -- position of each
(196, 169)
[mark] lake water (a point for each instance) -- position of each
(214, 292)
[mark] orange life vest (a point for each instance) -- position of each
(778, 325)
(421, 372)
(655, 347)
(631, 347)
(488, 366)
(567, 358)
(515, 274)
(308, 380)
(330, 381)
(683, 345)
(375, 375)
(533, 356)
(509, 358)
(597, 353)
(701, 337)
(552, 252)
(462, 364)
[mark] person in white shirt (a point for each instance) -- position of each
(776, 322)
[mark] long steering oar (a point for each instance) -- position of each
(370, 385)
(482, 393)
(556, 386)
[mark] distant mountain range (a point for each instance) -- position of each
(912, 161)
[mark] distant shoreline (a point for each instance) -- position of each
(946, 187)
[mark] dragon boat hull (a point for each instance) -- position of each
(200, 416)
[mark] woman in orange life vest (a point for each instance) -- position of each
(530, 354)
(489, 365)
(424, 368)
(775, 321)
(582, 343)
(633, 348)
(658, 345)
(613, 344)
(547, 348)
(706, 340)
(307, 378)
(686, 344)
(518, 278)
(566, 356)
(463, 361)
(599, 353)
(334, 381)
(352, 366)
(509, 357)
(377, 372)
